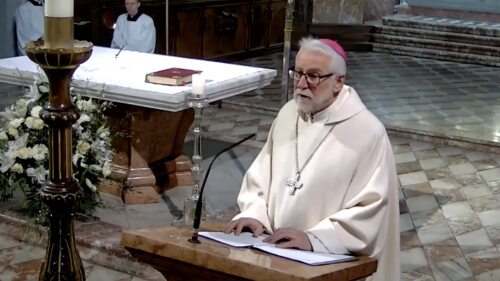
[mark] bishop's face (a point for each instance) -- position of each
(132, 7)
(315, 97)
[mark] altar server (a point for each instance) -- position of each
(29, 19)
(134, 30)
(325, 181)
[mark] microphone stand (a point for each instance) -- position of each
(199, 203)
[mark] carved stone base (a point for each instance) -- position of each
(148, 152)
(111, 187)
(141, 195)
(177, 172)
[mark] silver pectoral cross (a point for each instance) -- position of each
(294, 183)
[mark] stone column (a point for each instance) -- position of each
(338, 11)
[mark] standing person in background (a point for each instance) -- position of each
(325, 181)
(134, 30)
(29, 20)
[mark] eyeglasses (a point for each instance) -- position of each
(312, 79)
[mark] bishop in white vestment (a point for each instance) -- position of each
(330, 174)
(29, 19)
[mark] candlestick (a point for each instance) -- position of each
(59, 56)
(198, 84)
(59, 29)
(61, 191)
(197, 101)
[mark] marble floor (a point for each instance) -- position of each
(439, 98)
(439, 115)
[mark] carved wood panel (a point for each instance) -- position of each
(186, 32)
(197, 28)
(225, 30)
(259, 24)
(277, 23)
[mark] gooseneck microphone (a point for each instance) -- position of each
(199, 203)
(121, 49)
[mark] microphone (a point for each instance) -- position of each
(197, 211)
(116, 56)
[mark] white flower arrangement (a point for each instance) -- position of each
(24, 152)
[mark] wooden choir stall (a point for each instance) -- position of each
(196, 28)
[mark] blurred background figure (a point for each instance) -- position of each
(134, 30)
(29, 21)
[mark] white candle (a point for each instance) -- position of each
(198, 84)
(59, 8)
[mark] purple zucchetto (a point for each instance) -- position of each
(336, 47)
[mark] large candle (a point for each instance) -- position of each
(198, 84)
(59, 24)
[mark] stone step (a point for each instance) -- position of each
(437, 35)
(436, 54)
(97, 243)
(440, 45)
(443, 24)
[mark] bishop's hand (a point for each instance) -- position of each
(237, 226)
(290, 238)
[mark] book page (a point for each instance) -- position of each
(245, 239)
(310, 258)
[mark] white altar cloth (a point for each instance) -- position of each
(122, 79)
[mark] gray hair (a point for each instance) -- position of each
(337, 66)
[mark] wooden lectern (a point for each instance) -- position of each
(168, 250)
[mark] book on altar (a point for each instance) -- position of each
(173, 76)
(246, 239)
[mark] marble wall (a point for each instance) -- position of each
(485, 6)
(350, 11)
(476, 10)
(338, 11)
(376, 9)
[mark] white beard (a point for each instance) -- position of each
(304, 104)
(311, 103)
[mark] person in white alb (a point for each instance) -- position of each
(29, 20)
(325, 181)
(134, 30)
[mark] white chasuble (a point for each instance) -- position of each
(138, 35)
(348, 201)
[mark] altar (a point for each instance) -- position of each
(156, 117)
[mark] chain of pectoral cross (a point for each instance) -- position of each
(294, 182)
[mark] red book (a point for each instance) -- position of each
(171, 76)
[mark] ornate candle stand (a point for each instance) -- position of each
(197, 102)
(61, 191)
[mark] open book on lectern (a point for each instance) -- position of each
(246, 239)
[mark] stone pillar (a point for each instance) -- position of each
(338, 11)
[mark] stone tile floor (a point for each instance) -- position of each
(449, 196)
(440, 98)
